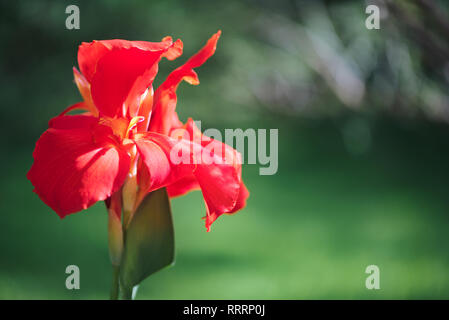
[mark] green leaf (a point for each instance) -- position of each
(149, 240)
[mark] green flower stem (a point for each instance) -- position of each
(115, 283)
(126, 293)
(115, 242)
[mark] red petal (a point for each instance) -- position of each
(76, 164)
(88, 56)
(122, 75)
(219, 176)
(240, 204)
(78, 121)
(164, 114)
(183, 186)
(154, 150)
(241, 200)
(221, 180)
(175, 51)
(120, 71)
(89, 53)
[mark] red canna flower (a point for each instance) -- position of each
(123, 140)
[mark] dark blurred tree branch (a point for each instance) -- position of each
(434, 49)
(436, 12)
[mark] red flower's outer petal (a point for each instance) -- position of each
(240, 204)
(123, 76)
(163, 114)
(120, 71)
(221, 182)
(76, 164)
(183, 186)
(154, 150)
(89, 53)
(218, 175)
(78, 121)
(241, 200)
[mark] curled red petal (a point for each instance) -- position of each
(217, 172)
(220, 181)
(212, 215)
(76, 164)
(174, 51)
(77, 106)
(163, 114)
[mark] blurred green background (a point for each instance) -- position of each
(363, 148)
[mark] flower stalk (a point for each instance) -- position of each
(115, 288)
(115, 241)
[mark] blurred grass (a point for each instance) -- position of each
(307, 232)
